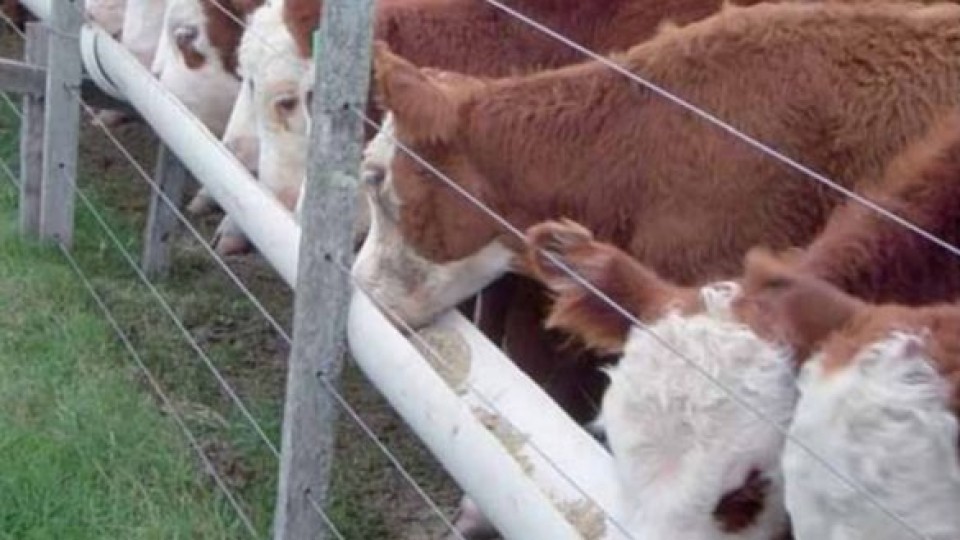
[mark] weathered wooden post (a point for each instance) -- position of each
(342, 58)
(31, 134)
(162, 224)
(62, 120)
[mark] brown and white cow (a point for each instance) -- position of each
(197, 61)
(784, 312)
(691, 462)
(109, 14)
(684, 197)
(142, 27)
(879, 401)
(464, 35)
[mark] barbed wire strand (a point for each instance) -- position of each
(851, 483)
(158, 390)
(763, 148)
(728, 128)
(172, 315)
(152, 381)
(13, 106)
(751, 142)
(412, 334)
(339, 398)
(351, 412)
(9, 175)
(12, 25)
(477, 392)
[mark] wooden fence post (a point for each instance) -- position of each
(62, 122)
(171, 177)
(31, 134)
(342, 58)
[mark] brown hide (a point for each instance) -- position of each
(814, 314)
(224, 29)
(621, 278)
(473, 37)
(302, 17)
(682, 196)
(873, 257)
(476, 38)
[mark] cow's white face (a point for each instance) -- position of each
(142, 26)
(413, 288)
(107, 13)
(283, 123)
(692, 462)
(884, 421)
(268, 125)
(192, 69)
(265, 34)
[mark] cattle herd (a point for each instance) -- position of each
(766, 357)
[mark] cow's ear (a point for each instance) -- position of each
(425, 110)
(784, 303)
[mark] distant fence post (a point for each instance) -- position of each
(342, 58)
(171, 179)
(62, 120)
(31, 134)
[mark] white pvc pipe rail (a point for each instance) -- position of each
(531, 469)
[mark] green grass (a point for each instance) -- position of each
(83, 453)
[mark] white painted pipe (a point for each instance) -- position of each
(472, 453)
(567, 464)
(510, 468)
(266, 222)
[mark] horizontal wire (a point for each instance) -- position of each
(344, 404)
(750, 141)
(13, 106)
(733, 131)
(155, 187)
(165, 306)
(483, 398)
(351, 412)
(742, 402)
(342, 401)
(13, 26)
(9, 174)
(158, 390)
(489, 403)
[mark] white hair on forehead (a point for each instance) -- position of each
(885, 422)
(265, 39)
(680, 440)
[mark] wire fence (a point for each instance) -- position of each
(710, 118)
(165, 307)
(706, 116)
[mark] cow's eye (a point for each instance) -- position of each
(185, 35)
(286, 105)
(373, 175)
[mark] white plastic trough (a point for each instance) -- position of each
(530, 468)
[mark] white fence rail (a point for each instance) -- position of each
(531, 469)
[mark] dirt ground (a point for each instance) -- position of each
(370, 500)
